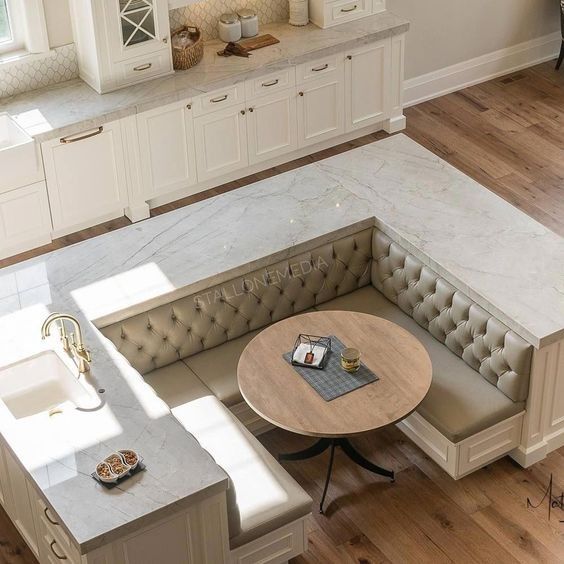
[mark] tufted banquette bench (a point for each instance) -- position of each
(188, 351)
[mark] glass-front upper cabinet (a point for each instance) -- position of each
(137, 20)
(139, 26)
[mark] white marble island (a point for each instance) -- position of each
(507, 262)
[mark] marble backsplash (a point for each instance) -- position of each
(205, 14)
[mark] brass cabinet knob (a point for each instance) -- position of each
(243, 112)
(251, 110)
(349, 57)
(189, 106)
(301, 93)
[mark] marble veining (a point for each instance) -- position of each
(71, 107)
(504, 260)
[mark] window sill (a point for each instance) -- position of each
(21, 55)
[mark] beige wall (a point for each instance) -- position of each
(443, 32)
(446, 32)
(58, 22)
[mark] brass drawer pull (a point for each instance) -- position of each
(71, 139)
(50, 519)
(271, 83)
(322, 68)
(52, 547)
(220, 99)
(347, 10)
(143, 67)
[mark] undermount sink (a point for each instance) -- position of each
(39, 384)
(18, 154)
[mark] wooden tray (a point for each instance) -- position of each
(259, 42)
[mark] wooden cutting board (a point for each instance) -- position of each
(259, 42)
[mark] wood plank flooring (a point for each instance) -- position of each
(508, 134)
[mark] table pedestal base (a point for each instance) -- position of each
(321, 446)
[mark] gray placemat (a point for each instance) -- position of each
(333, 381)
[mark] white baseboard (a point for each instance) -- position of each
(511, 59)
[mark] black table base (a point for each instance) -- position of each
(321, 446)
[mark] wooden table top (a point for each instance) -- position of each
(280, 395)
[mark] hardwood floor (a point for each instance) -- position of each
(508, 134)
(426, 516)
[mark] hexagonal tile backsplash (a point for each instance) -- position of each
(58, 65)
(205, 14)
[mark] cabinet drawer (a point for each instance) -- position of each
(51, 525)
(270, 83)
(142, 68)
(341, 11)
(313, 70)
(219, 99)
(25, 221)
(53, 551)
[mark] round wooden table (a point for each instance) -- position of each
(275, 391)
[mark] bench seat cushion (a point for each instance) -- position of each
(262, 496)
(176, 384)
(460, 401)
(217, 368)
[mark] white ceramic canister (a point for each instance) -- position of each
(229, 27)
(249, 22)
(299, 12)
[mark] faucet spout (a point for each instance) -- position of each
(73, 343)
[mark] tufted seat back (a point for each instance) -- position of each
(501, 356)
(198, 322)
(189, 325)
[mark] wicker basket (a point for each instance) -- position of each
(190, 56)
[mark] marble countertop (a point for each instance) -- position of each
(506, 261)
(70, 107)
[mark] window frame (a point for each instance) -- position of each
(16, 23)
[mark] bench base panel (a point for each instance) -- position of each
(276, 547)
(460, 459)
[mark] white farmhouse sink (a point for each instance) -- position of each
(38, 384)
(18, 155)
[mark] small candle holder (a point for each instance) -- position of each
(350, 359)
(311, 351)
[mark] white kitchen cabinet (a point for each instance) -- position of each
(21, 508)
(367, 83)
(321, 109)
(121, 42)
(167, 150)
(25, 221)
(328, 13)
(272, 126)
(221, 142)
(86, 178)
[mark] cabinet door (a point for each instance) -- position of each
(221, 142)
(25, 221)
(272, 126)
(86, 178)
(135, 27)
(167, 152)
(367, 78)
(321, 109)
(22, 509)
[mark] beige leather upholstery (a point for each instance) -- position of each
(262, 496)
(176, 384)
(460, 402)
(217, 368)
(196, 323)
(484, 343)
